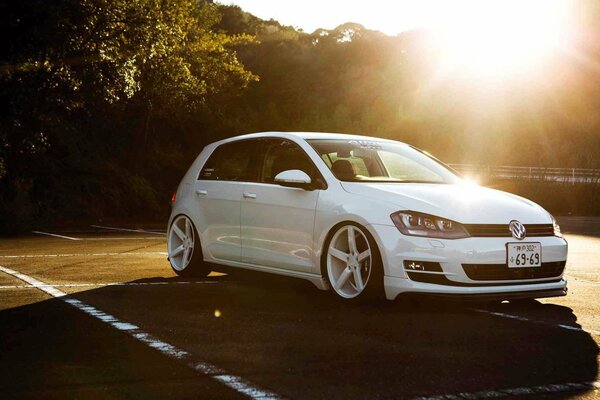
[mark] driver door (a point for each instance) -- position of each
(277, 222)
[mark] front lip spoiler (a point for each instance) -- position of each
(532, 294)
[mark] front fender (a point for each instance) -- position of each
(336, 206)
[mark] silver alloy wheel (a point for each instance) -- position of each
(349, 261)
(181, 243)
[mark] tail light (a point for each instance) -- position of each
(174, 197)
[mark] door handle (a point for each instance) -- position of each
(201, 192)
(248, 195)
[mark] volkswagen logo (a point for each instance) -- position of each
(517, 229)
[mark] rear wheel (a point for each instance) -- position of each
(353, 264)
(183, 246)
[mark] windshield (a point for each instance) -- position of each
(379, 161)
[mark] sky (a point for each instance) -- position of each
(388, 16)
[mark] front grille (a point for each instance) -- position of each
(499, 272)
(437, 279)
(487, 230)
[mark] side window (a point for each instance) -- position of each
(230, 162)
(282, 155)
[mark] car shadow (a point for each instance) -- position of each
(50, 350)
(300, 342)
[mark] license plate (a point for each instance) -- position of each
(523, 255)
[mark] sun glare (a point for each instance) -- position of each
(491, 38)
(479, 37)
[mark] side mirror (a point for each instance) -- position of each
(294, 178)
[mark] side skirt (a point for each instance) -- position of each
(315, 279)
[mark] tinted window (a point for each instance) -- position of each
(282, 155)
(230, 162)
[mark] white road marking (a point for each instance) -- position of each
(156, 231)
(521, 391)
(55, 235)
(139, 253)
(234, 382)
(536, 321)
(108, 284)
(111, 228)
(125, 238)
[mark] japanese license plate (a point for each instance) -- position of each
(523, 255)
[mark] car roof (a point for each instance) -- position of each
(303, 135)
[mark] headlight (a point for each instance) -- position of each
(556, 228)
(417, 224)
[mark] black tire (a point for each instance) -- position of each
(195, 267)
(374, 288)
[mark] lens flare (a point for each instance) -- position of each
(497, 38)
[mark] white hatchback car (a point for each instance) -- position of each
(362, 216)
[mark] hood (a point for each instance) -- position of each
(467, 204)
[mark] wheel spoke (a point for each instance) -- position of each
(186, 253)
(179, 232)
(188, 232)
(358, 279)
(177, 251)
(350, 276)
(351, 240)
(362, 256)
(338, 254)
(343, 278)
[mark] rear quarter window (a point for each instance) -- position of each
(230, 162)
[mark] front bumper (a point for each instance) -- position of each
(396, 286)
(396, 248)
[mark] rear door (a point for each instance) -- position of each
(277, 222)
(218, 192)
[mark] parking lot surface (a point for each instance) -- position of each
(97, 312)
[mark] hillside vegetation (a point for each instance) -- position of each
(106, 103)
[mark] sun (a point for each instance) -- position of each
(503, 37)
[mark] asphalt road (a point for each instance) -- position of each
(103, 316)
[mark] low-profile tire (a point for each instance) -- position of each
(183, 247)
(351, 264)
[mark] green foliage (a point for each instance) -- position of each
(104, 103)
(86, 85)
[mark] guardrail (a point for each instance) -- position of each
(565, 175)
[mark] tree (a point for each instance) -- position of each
(82, 82)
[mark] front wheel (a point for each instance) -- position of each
(353, 264)
(183, 246)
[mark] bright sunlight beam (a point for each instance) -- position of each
(481, 38)
(502, 37)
